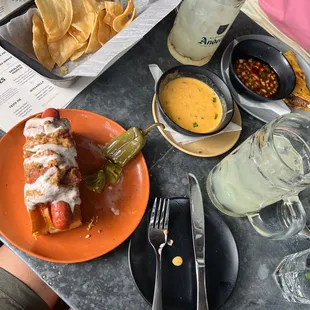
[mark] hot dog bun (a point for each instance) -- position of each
(52, 175)
(42, 224)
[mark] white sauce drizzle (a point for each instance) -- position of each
(47, 125)
(65, 157)
(43, 160)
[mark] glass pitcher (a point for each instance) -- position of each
(272, 165)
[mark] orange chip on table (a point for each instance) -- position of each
(82, 22)
(57, 17)
(93, 43)
(39, 42)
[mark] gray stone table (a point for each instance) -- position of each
(124, 93)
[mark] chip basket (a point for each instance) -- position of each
(30, 62)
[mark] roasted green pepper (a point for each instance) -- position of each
(112, 172)
(96, 181)
(126, 146)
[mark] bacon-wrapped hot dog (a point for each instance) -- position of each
(52, 176)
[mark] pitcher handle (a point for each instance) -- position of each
(294, 219)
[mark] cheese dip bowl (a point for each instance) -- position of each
(194, 101)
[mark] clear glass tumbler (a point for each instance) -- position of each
(199, 28)
(293, 277)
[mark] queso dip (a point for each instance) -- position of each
(192, 104)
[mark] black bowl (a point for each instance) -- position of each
(270, 55)
(210, 79)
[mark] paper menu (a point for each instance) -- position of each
(23, 92)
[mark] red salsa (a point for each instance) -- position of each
(257, 75)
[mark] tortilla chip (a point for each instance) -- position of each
(82, 22)
(113, 9)
(63, 70)
(57, 17)
(39, 43)
(109, 18)
(301, 87)
(121, 21)
(104, 29)
(78, 35)
(78, 53)
(300, 97)
(94, 6)
(93, 43)
(63, 49)
(112, 33)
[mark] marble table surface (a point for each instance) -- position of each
(124, 93)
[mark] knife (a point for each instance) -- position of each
(198, 235)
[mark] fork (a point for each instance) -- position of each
(157, 235)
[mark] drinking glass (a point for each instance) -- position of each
(293, 277)
(270, 168)
(199, 28)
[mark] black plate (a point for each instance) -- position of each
(270, 55)
(179, 283)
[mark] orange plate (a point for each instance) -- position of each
(129, 196)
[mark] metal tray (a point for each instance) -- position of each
(33, 64)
